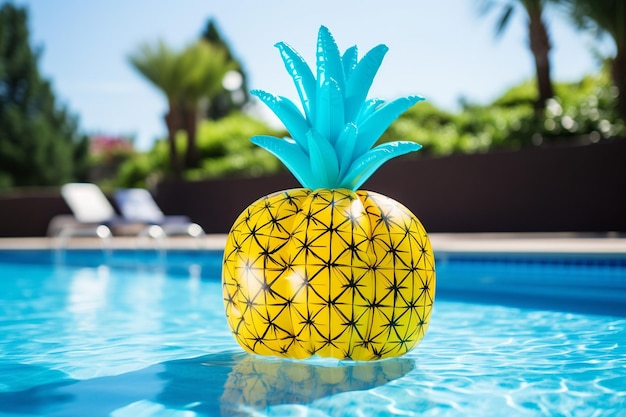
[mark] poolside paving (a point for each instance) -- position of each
(442, 243)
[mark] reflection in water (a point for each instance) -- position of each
(259, 382)
(256, 382)
(218, 384)
(87, 295)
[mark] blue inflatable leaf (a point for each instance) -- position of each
(329, 64)
(349, 59)
(368, 108)
(332, 137)
(363, 167)
(360, 81)
(329, 115)
(345, 147)
(288, 113)
(375, 125)
(290, 155)
(302, 77)
(323, 162)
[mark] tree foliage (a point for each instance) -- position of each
(234, 95)
(189, 79)
(39, 139)
(224, 149)
(581, 112)
(607, 17)
(538, 38)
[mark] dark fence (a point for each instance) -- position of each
(573, 189)
(533, 190)
(27, 213)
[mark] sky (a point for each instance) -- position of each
(443, 50)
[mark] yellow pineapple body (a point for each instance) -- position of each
(332, 272)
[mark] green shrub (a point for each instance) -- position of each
(224, 147)
(580, 110)
(583, 109)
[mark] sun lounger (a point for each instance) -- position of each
(138, 205)
(92, 213)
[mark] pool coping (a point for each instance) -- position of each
(548, 244)
(443, 243)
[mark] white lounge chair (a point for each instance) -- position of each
(92, 213)
(137, 205)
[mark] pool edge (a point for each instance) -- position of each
(443, 244)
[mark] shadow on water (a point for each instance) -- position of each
(210, 385)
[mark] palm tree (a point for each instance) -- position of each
(539, 40)
(158, 64)
(204, 66)
(607, 17)
(186, 78)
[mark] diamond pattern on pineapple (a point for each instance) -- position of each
(331, 272)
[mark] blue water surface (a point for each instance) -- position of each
(128, 333)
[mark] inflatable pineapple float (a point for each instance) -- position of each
(329, 269)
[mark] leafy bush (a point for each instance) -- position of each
(225, 149)
(584, 109)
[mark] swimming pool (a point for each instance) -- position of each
(142, 333)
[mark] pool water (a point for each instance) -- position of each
(86, 333)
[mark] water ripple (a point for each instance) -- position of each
(83, 324)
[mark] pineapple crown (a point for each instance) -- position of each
(331, 143)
